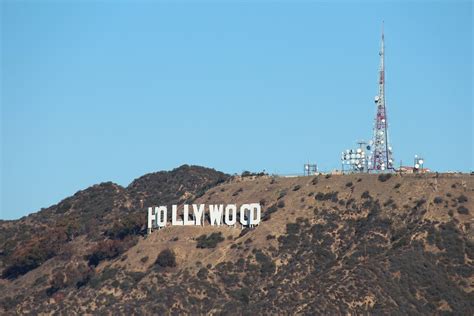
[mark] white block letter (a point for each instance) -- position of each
(215, 211)
(230, 210)
(174, 216)
(245, 212)
(151, 217)
(187, 221)
(198, 213)
(255, 213)
(161, 214)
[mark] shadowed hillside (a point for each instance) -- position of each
(106, 213)
(327, 244)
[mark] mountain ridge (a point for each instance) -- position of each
(327, 244)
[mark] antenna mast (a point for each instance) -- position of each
(381, 159)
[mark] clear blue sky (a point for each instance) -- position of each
(93, 92)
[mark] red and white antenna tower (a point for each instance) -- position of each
(381, 157)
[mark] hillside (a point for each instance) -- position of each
(327, 244)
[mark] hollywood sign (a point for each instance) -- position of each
(249, 215)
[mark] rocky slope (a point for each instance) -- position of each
(328, 244)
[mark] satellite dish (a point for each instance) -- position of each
(359, 165)
(417, 166)
(376, 98)
(368, 147)
(371, 142)
(420, 161)
(359, 150)
(358, 156)
(383, 168)
(416, 156)
(307, 167)
(389, 148)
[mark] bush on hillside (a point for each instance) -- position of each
(252, 174)
(107, 249)
(166, 258)
(210, 241)
(296, 187)
(332, 196)
(384, 177)
(463, 210)
(438, 200)
(129, 225)
(462, 198)
(365, 195)
(202, 273)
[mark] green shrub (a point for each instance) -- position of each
(384, 177)
(282, 194)
(272, 209)
(210, 241)
(246, 174)
(202, 273)
(327, 196)
(462, 198)
(166, 258)
(438, 200)
(242, 295)
(129, 225)
(107, 249)
(292, 228)
(463, 210)
(365, 195)
(267, 267)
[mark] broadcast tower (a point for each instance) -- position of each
(381, 158)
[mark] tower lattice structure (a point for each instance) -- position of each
(381, 157)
